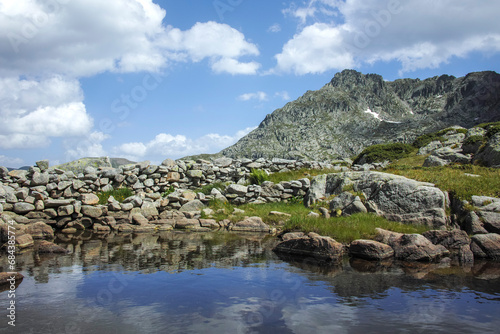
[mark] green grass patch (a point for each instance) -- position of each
(167, 192)
(119, 194)
(474, 140)
(453, 179)
(342, 229)
(383, 152)
(348, 229)
(258, 176)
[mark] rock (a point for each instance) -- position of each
(313, 214)
(451, 155)
(65, 210)
(324, 212)
(54, 203)
(314, 246)
(136, 201)
(429, 148)
(188, 195)
(168, 163)
(416, 247)
(139, 219)
(292, 235)
(347, 203)
(237, 189)
(486, 245)
(195, 205)
(45, 246)
(433, 161)
(187, 224)
(195, 174)
(39, 179)
(251, 224)
(91, 211)
(23, 208)
(392, 196)
(370, 250)
(24, 241)
(491, 221)
(149, 210)
(6, 279)
(210, 223)
(43, 165)
(173, 177)
(40, 230)
(223, 162)
(490, 154)
(472, 224)
(456, 241)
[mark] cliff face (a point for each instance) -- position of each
(355, 110)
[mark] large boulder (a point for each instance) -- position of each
(45, 246)
(392, 196)
(347, 204)
(313, 246)
(490, 154)
(80, 166)
(370, 250)
(251, 224)
(40, 230)
(192, 206)
(486, 245)
(456, 241)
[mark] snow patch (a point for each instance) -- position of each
(374, 114)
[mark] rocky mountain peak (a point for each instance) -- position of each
(356, 110)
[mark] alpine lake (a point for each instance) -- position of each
(221, 282)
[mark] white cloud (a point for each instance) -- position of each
(220, 43)
(284, 95)
(261, 96)
(274, 28)
(87, 146)
(316, 49)
(33, 111)
(10, 162)
(166, 145)
(414, 33)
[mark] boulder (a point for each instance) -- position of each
(187, 224)
(40, 230)
(5, 278)
(89, 199)
(392, 196)
(39, 179)
(314, 246)
(491, 221)
(23, 208)
(433, 161)
(91, 211)
(45, 246)
(149, 210)
(195, 205)
(347, 203)
(451, 155)
(139, 219)
(251, 224)
(486, 245)
(490, 154)
(237, 189)
(370, 250)
(416, 247)
(456, 241)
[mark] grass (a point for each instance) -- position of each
(258, 176)
(207, 189)
(348, 229)
(342, 229)
(453, 179)
(119, 194)
(383, 152)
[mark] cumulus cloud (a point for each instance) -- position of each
(220, 43)
(9, 161)
(284, 95)
(85, 146)
(261, 96)
(274, 28)
(176, 146)
(33, 111)
(342, 34)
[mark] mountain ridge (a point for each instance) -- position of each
(356, 110)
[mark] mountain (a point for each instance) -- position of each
(355, 110)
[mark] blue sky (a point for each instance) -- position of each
(150, 80)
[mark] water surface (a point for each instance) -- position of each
(178, 282)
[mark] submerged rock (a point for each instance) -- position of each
(370, 250)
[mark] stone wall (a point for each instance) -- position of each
(60, 196)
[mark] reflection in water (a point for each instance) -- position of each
(177, 282)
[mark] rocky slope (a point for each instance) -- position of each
(354, 111)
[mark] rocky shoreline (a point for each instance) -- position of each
(43, 200)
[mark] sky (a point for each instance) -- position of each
(157, 79)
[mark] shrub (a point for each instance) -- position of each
(473, 140)
(119, 194)
(426, 139)
(258, 176)
(383, 152)
(493, 130)
(168, 191)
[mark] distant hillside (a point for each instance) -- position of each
(354, 111)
